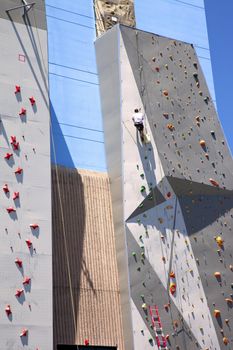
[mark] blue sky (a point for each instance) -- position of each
(219, 14)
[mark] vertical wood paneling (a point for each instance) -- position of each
(86, 205)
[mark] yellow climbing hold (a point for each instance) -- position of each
(219, 241)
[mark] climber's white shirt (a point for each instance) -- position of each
(138, 117)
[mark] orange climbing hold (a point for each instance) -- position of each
(172, 288)
(165, 92)
(217, 313)
(172, 274)
(202, 143)
(225, 340)
(170, 127)
(217, 274)
(229, 301)
(214, 183)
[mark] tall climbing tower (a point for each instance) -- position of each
(25, 180)
(172, 197)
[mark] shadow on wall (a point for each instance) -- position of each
(68, 220)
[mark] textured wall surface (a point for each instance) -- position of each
(172, 197)
(74, 91)
(26, 140)
(86, 287)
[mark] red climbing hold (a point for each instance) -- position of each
(10, 210)
(169, 195)
(157, 69)
(32, 100)
(22, 111)
(6, 189)
(19, 292)
(19, 262)
(24, 333)
(18, 170)
(86, 342)
(15, 146)
(8, 310)
(17, 89)
(13, 139)
(8, 156)
(16, 196)
(29, 243)
(26, 280)
(214, 183)
(34, 226)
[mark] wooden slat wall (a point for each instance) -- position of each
(93, 284)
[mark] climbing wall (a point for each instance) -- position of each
(172, 197)
(108, 13)
(25, 185)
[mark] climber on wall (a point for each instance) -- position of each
(138, 118)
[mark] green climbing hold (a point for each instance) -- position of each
(142, 176)
(141, 205)
(133, 253)
(143, 188)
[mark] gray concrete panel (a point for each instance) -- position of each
(23, 63)
(189, 166)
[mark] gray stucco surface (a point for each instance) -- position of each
(22, 63)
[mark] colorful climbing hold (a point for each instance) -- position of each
(8, 156)
(6, 189)
(219, 240)
(29, 243)
(217, 313)
(19, 262)
(32, 100)
(34, 226)
(18, 171)
(172, 288)
(24, 333)
(19, 292)
(213, 182)
(170, 127)
(10, 210)
(8, 310)
(23, 111)
(27, 280)
(17, 89)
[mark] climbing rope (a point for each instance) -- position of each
(60, 199)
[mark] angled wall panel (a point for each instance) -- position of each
(176, 194)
